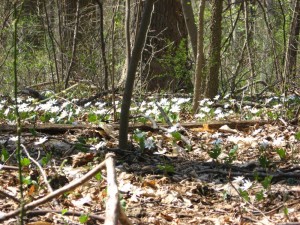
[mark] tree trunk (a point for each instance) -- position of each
(292, 48)
(215, 49)
(163, 65)
(135, 58)
(190, 24)
(200, 77)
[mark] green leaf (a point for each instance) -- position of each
(176, 135)
(98, 176)
(244, 195)
(64, 211)
(27, 180)
(46, 159)
(4, 154)
(259, 196)
(266, 183)
(233, 151)
(215, 152)
(282, 153)
(25, 162)
(83, 218)
(92, 117)
(263, 161)
(285, 211)
(297, 136)
(33, 132)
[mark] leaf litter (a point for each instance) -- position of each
(193, 172)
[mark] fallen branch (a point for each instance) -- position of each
(57, 192)
(68, 213)
(61, 128)
(112, 209)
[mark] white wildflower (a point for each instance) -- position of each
(254, 110)
(238, 179)
(63, 115)
(6, 112)
(78, 110)
(202, 102)
(149, 143)
(216, 97)
(205, 109)
(100, 145)
(226, 96)
(277, 106)
(246, 185)
(15, 138)
(54, 109)
(41, 141)
(65, 104)
(163, 102)
(218, 111)
(200, 115)
(175, 108)
(100, 112)
(87, 104)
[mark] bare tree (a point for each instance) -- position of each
(135, 58)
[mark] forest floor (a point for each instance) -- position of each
(233, 163)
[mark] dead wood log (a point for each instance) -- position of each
(62, 128)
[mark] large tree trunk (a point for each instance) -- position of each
(215, 49)
(166, 33)
(292, 48)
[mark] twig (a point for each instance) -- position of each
(57, 192)
(68, 213)
(163, 114)
(40, 168)
(9, 196)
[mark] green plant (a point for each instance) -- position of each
(140, 137)
(266, 182)
(83, 218)
(98, 176)
(4, 154)
(282, 153)
(46, 159)
(231, 155)
(215, 151)
(167, 168)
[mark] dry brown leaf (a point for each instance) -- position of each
(167, 217)
(205, 128)
(149, 183)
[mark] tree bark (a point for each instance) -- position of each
(292, 48)
(200, 77)
(135, 58)
(215, 49)
(190, 24)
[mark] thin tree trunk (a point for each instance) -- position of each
(292, 48)
(135, 58)
(248, 32)
(190, 24)
(200, 77)
(74, 46)
(103, 45)
(127, 33)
